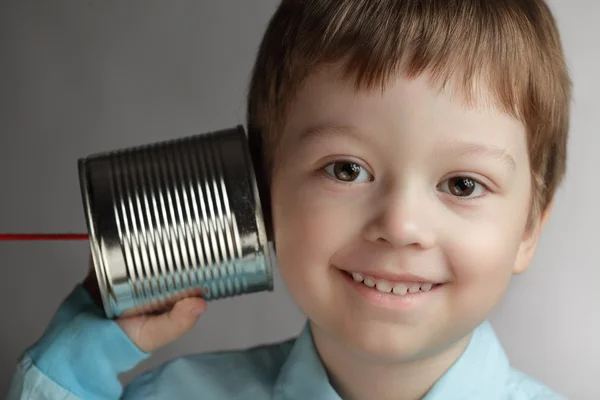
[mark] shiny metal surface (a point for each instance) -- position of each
(174, 219)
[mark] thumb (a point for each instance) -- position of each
(152, 332)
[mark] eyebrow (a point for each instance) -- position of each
(466, 149)
(321, 131)
(455, 148)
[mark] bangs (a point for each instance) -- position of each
(474, 44)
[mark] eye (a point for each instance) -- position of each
(463, 186)
(348, 171)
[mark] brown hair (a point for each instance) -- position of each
(512, 45)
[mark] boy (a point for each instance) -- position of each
(413, 148)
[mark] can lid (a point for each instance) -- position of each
(95, 250)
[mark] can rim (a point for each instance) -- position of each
(97, 258)
(267, 248)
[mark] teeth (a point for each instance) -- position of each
(426, 287)
(400, 289)
(414, 287)
(384, 287)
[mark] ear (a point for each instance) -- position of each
(530, 241)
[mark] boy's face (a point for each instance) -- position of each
(410, 190)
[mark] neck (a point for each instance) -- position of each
(359, 378)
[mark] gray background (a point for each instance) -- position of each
(78, 77)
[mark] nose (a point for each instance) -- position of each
(401, 218)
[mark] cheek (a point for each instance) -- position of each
(309, 230)
(489, 252)
(304, 229)
(481, 261)
(487, 246)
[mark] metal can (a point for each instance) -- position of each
(174, 219)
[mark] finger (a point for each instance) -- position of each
(159, 330)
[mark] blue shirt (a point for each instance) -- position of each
(81, 354)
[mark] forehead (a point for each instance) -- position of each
(411, 108)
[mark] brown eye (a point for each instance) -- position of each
(348, 172)
(462, 186)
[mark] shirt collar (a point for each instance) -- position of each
(481, 372)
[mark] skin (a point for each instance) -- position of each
(149, 332)
(406, 147)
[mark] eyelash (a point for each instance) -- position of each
(464, 199)
(345, 162)
(484, 187)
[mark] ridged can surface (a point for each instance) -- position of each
(175, 219)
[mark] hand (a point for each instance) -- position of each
(150, 332)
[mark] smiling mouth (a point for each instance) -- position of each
(393, 288)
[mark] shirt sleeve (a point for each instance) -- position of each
(79, 356)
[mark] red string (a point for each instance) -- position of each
(42, 236)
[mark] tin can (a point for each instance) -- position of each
(174, 219)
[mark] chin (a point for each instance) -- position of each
(388, 342)
(393, 343)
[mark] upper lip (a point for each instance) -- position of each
(392, 277)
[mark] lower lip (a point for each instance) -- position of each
(390, 300)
